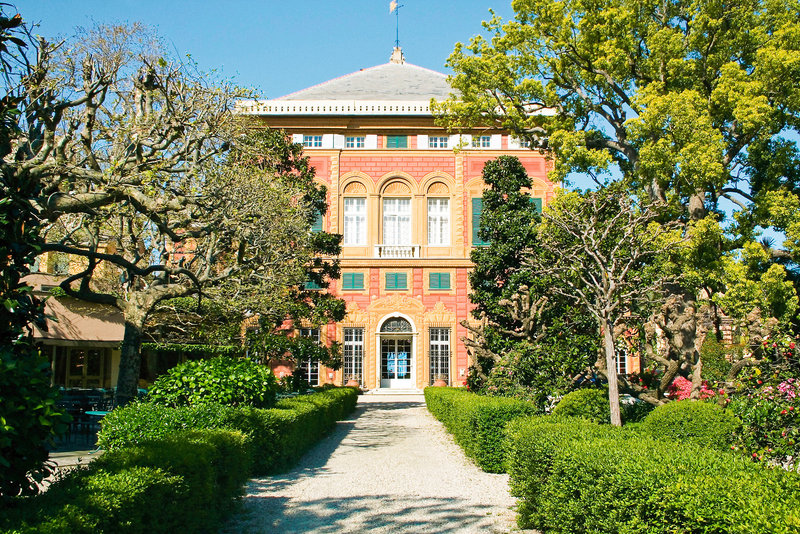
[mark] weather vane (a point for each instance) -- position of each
(394, 7)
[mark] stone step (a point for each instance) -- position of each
(390, 391)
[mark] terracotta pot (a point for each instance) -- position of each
(352, 384)
(439, 384)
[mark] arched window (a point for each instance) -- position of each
(396, 325)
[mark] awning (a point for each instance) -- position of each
(76, 322)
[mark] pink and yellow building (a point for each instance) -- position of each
(406, 196)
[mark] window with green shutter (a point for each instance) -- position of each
(477, 209)
(396, 141)
(311, 285)
(395, 281)
(538, 203)
(353, 281)
(316, 225)
(439, 281)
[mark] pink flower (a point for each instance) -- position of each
(783, 412)
(791, 345)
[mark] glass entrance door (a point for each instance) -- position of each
(396, 362)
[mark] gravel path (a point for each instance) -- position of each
(390, 467)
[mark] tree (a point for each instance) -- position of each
(150, 178)
(29, 417)
(538, 339)
(694, 103)
(600, 248)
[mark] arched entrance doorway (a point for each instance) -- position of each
(397, 353)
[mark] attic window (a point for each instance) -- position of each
(312, 141)
(396, 141)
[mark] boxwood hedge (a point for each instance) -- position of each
(582, 477)
(171, 470)
(477, 422)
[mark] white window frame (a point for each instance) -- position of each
(439, 353)
(439, 221)
(311, 367)
(622, 361)
(435, 141)
(353, 355)
(312, 141)
(352, 141)
(481, 141)
(397, 221)
(355, 221)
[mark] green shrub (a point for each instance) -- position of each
(140, 422)
(183, 483)
(278, 436)
(699, 422)
(29, 419)
(477, 422)
(590, 404)
(222, 380)
(214, 464)
(132, 500)
(635, 412)
(580, 477)
(715, 359)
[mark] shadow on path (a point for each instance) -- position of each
(366, 513)
(389, 467)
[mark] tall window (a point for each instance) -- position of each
(396, 221)
(355, 221)
(622, 361)
(440, 354)
(477, 210)
(353, 355)
(437, 142)
(312, 141)
(354, 142)
(439, 221)
(310, 367)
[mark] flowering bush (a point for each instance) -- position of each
(771, 422)
(681, 389)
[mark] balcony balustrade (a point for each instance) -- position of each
(397, 251)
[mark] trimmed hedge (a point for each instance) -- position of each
(590, 404)
(582, 477)
(699, 422)
(171, 470)
(184, 483)
(477, 422)
(278, 436)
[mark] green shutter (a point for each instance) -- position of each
(538, 203)
(396, 141)
(477, 209)
(353, 281)
(310, 284)
(439, 281)
(316, 225)
(395, 281)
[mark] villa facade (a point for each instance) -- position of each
(406, 196)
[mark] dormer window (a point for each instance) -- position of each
(437, 142)
(312, 141)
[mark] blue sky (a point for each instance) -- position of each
(278, 47)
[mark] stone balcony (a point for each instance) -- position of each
(397, 251)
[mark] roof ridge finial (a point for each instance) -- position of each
(397, 56)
